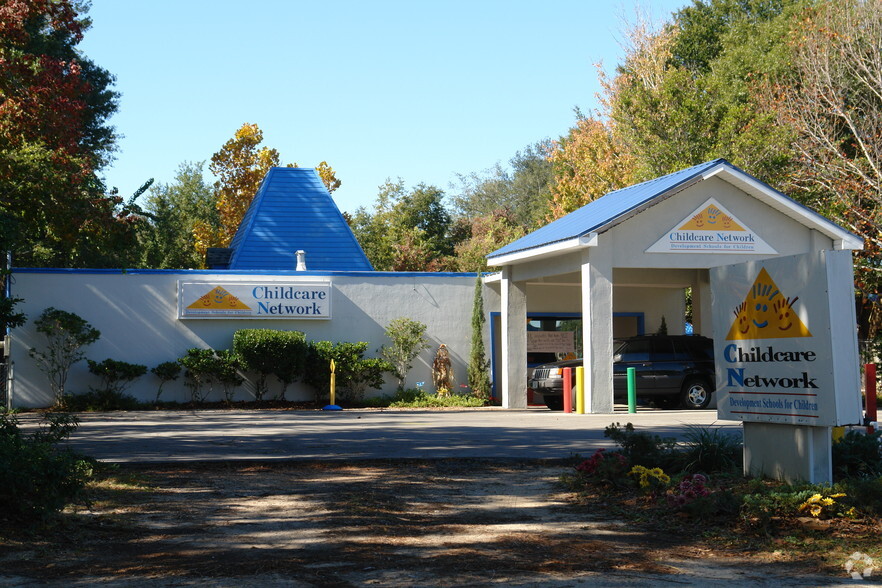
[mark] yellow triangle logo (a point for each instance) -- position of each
(218, 299)
(766, 313)
(711, 219)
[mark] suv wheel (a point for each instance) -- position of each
(696, 394)
(667, 401)
(553, 402)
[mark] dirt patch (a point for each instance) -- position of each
(439, 523)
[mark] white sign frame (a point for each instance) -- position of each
(285, 300)
(711, 228)
(796, 379)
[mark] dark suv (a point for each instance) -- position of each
(671, 370)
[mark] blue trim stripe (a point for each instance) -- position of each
(281, 273)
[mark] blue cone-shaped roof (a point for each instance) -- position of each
(293, 210)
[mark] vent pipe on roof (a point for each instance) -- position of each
(301, 260)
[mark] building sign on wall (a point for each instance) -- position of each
(785, 341)
(271, 300)
(551, 342)
(710, 229)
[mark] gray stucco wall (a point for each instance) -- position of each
(136, 313)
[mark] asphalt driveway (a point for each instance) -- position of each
(534, 433)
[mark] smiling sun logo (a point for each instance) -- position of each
(766, 313)
(218, 299)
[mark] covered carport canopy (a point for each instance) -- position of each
(665, 232)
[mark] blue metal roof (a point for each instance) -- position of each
(293, 210)
(605, 210)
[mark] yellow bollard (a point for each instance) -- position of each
(333, 382)
(580, 390)
(333, 405)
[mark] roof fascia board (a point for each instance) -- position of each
(581, 242)
(842, 239)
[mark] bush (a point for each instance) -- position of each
(603, 467)
(99, 401)
(354, 373)
(642, 448)
(268, 351)
(857, 454)
(226, 372)
(200, 366)
(408, 341)
(167, 371)
(37, 478)
(66, 334)
(711, 450)
(115, 375)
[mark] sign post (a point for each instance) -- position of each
(787, 359)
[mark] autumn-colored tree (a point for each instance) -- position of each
(487, 234)
(240, 167)
(832, 100)
(588, 163)
(54, 105)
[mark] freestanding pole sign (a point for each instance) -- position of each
(785, 342)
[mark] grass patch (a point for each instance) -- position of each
(415, 398)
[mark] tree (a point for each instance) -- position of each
(486, 234)
(479, 379)
(66, 334)
(240, 167)
(683, 94)
(408, 341)
(588, 163)
(408, 230)
(521, 191)
(174, 210)
(54, 137)
(832, 99)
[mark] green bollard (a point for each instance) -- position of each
(632, 390)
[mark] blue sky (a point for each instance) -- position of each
(418, 89)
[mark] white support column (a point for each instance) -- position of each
(702, 312)
(597, 342)
(514, 341)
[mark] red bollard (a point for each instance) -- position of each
(568, 389)
(870, 394)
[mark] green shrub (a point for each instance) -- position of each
(711, 450)
(641, 448)
(857, 454)
(268, 351)
(226, 372)
(9, 318)
(408, 341)
(354, 373)
(167, 371)
(66, 334)
(99, 401)
(200, 366)
(115, 375)
(37, 478)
